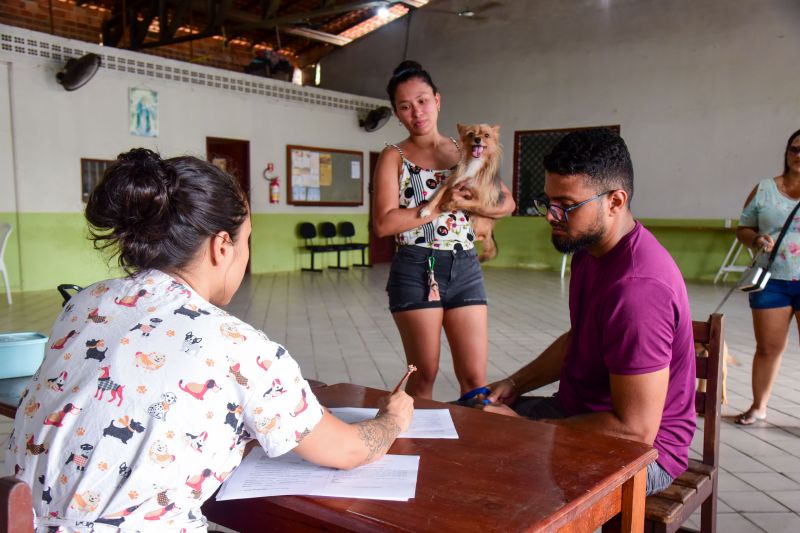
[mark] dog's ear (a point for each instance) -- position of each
(496, 129)
(462, 128)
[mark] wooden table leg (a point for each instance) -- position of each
(633, 494)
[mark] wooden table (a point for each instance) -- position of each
(502, 474)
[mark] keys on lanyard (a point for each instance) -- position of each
(433, 285)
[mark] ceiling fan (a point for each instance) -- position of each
(471, 10)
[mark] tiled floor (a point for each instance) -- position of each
(338, 328)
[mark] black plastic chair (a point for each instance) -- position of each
(308, 232)
(64, 289)
(348, 231)
(328, 232)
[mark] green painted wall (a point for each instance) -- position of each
(698, 246)
(275, 246)
(52, 247)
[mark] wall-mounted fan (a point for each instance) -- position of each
(470, 10)
(77, 72)
(376, 118)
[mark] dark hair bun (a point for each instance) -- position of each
(134, 195)
(155, 213)
(405, 71)
(407, 66)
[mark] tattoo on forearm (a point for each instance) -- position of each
(378, 434)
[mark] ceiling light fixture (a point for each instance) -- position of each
(383, 12)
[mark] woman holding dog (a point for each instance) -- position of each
(150, 392)
(764, 214)
(435, 280)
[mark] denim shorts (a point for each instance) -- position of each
(458, 274)
(777, 293)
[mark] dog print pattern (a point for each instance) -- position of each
(138, 414)
(451, 231)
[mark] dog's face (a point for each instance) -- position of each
(169, 397)
(479, 140)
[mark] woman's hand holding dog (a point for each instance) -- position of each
(462, 198)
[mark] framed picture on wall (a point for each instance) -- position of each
(530, 147)
(143, 112)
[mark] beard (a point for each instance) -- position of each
(568, 244)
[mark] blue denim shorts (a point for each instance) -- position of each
(458, 274)
(777, 293)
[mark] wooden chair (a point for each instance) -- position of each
(16, 506)
(697, 487)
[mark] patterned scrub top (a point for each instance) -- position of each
(767, 211)
(143, 405)
(451, 231)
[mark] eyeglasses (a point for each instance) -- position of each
(559, 213)
(794, 150)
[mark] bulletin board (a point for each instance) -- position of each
(324, 176)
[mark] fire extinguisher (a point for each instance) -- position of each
(274, 190)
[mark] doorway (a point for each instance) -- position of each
(232, 156)
(381, 249)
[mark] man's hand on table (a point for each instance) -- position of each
(500, 409)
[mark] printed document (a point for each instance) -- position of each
(393, 477)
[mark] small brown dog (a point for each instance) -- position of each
(478, 173)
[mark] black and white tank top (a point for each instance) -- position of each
(451, 231)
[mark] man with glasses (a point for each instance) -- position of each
(626, 366)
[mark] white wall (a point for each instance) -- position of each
(706, 91)
(54, 128)
(7, 200)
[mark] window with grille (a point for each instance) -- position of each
(92, 171)
(530, 147)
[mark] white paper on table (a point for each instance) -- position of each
(426, 424)
(393, 477)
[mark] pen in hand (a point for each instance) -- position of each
(411, 368)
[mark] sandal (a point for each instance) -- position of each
(748, 418)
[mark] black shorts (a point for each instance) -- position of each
(458, 274)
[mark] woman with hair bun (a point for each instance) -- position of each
(435, 280)
(149, 392)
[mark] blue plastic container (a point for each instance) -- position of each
(21, 353)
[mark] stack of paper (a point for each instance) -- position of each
(393, 477)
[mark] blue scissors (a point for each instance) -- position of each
(470, 399)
